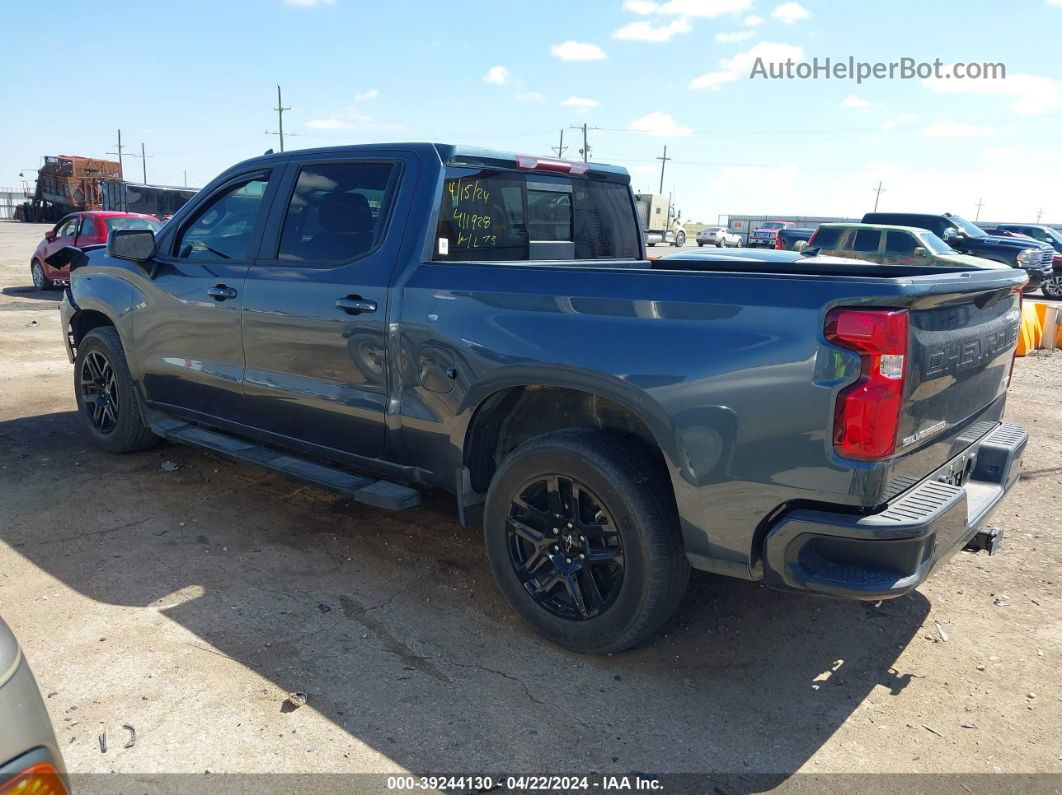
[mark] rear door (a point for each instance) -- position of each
(315, 304)
(188, 337)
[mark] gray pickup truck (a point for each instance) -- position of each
(390, 318)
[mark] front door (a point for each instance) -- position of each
(315, 303)
(188, 334)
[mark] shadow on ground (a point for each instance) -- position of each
(391, 621)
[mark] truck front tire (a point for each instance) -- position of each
(582, 535)
(106, 394)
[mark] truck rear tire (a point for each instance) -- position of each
(582, 535)
(106, 394)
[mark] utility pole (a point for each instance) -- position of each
(585, 151)
(877, 195)
(143, 159)
(1039, 214)
(280, 117)
(186, 179)
(979, 205)
(119, 153)
(663, 162)
(560, 148)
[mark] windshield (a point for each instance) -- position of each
(935, 244)
(132, 223)
(967, 227)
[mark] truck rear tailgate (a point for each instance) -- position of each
(961, 354)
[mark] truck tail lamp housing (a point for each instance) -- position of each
(867, 414)
(535, 163)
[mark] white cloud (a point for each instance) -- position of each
(372, 93)
(852, 101)
(647, 31)
(1033, 95)
(1054, 2)
(741, 64)
(581, 104)
(310, 3)
(790, 13)
(703, 8)
(642, 7)
(753, 21)
(903, 118)
(660, 123)
(351, 119)
(577, 51)
(734, 38)
(529, 96)
(497, 76)
(955, 130)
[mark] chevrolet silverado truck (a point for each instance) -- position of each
(1032, 256)
(384, 319)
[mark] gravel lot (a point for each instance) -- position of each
(188, 603)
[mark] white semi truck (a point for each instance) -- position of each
(660, 220)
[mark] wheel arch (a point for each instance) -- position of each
(510, 414)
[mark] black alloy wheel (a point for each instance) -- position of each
(565, 547)
(99, 392)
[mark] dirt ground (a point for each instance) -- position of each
(188, 603)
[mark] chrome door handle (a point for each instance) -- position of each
(220, 292)
(355, 305)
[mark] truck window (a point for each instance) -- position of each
(828, 237)
(900, 244)
(496, 215)
(223, 229)
(336, 212)
(866, 240)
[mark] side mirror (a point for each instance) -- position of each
(137, 245)
(919, 251)
(50, 235)
(950, 234)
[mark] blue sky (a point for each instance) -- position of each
(195, 81)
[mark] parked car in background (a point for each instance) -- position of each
(892, 245)
(1052, 286)
(718, 236)
(378, 319)
(30, 761)
(80, 229)
(766, 233)
(793, 238)
(1035, 258)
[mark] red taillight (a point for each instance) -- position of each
(533, 163)
(778, 243)
(811, 240)
(41, 779)
(867, 415)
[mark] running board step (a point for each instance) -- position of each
(378, 493)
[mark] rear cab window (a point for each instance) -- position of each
(495, 215)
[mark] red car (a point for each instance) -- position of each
(766, 233)
(80, 229)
